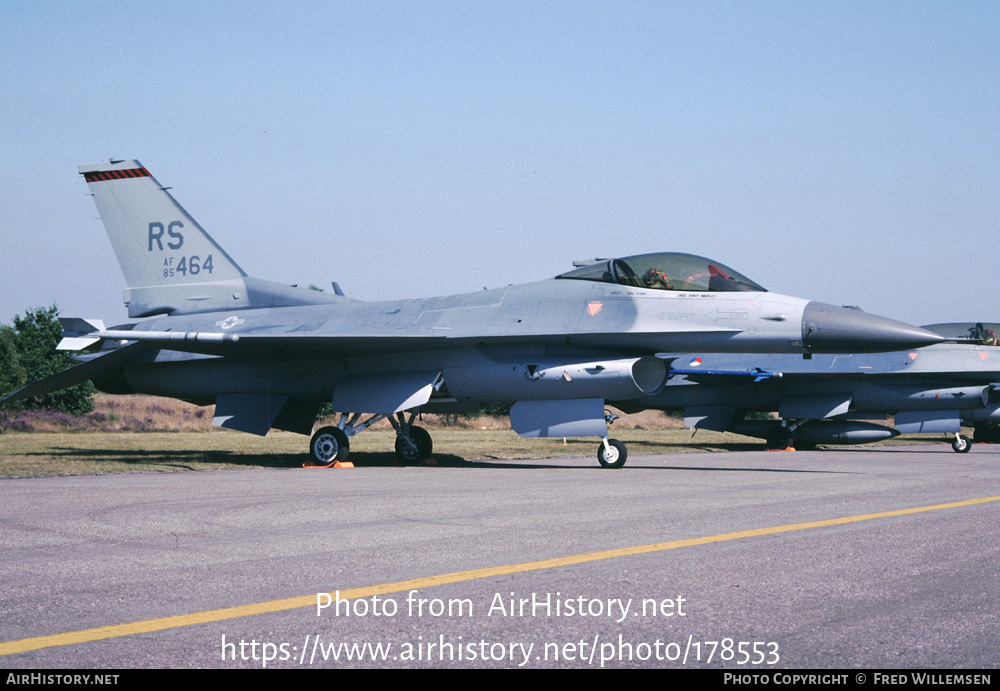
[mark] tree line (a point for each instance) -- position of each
(28, 353)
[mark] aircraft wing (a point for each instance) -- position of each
(258, 344)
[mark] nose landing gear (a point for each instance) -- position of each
(611, 453)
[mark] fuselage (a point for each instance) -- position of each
(482, 342)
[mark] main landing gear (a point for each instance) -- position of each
(414, 444)
(986, 433)
(779, 439)
(331, 444)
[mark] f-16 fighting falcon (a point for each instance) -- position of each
(267, 354)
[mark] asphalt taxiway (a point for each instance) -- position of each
(862, 557)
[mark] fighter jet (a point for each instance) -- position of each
(830, 399)
(267, 354)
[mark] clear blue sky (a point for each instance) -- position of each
(844, 152)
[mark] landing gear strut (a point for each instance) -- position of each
(330, 444)
(413, 443)
(611, 453)
(779, 439)
(986, 433)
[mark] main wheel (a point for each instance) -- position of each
(329, 444)
(612, 456)
(778, 439)
(985, 434)
(418, 447)
(961, 444)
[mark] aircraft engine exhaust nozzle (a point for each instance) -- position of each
(831, 329)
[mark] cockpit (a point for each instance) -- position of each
(983, 333)
(666, 271)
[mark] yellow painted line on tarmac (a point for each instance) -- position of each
(150, 625)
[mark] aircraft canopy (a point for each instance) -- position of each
(667, 271)
(984, 333)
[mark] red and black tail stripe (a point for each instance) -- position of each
(116, 174)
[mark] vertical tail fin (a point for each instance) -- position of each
(171, 265)
(156, 241)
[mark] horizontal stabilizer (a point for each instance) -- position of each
(74, 375)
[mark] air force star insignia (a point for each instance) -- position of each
(229, 322)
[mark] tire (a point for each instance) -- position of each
(985, 435)
(778, 439)
(614, 456)
(961, 444)
(329, 444)
(421, 438)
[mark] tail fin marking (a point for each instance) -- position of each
(156, 241)
(170, 263)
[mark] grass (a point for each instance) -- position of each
(94, 453)
(142, 413)
(150, 434)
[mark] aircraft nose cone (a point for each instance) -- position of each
(832, 329)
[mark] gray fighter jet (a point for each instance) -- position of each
(268, 354)
(826, 399)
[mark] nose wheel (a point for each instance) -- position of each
(961, 444)
(611, 453)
